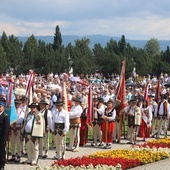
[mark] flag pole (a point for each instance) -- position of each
(121, 97)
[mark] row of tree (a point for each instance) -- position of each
(54, 57)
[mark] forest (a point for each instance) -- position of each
(54, 57)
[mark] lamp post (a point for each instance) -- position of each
(70, 63)
(134, 70)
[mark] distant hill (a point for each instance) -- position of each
(94, 39)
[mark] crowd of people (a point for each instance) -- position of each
(52, 112)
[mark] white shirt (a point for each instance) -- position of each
(100, 111)
(161, 109)
(29, 123)
(61, 117)
(21, 115)
(75, 112)
(49, 118)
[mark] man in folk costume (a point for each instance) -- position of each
(117, 131)
(98, 111)
(134, 120)
(145, 127)
(47, 118)
(75, 124)
(162, 115)
(153, 106)
(33, 130)
(4, 129)
(60, 128)
(108, 124)
(23, 106)
(16, 133)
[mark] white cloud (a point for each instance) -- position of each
(133, 18)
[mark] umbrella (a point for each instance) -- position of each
(74, 78)
(53, 87)
(167, 85)
(107, 81)
(133, 85)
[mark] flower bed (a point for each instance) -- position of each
(148, 152)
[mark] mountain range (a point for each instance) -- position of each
(94, 39)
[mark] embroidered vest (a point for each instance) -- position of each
(109, 114)
(165, 106)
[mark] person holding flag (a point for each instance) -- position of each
(120, 105)
(16, 133)
(75, 124)
(4, 129)
(33, 131)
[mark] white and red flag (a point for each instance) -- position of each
(29, 82)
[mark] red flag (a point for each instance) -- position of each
(90, 106)
(121, 98)
(9, 94)
(121, 90)
(158, 91)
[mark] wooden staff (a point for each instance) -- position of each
(120, 124)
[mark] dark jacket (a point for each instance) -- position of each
(4, 126)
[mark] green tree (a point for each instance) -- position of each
(82, 57)
(57, 44)
(30, 53)
(3, 63)
(152, 47)
(15, 54)
(122, 44)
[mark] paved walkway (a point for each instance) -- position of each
(160, 165)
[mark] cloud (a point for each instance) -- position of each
(133, 18)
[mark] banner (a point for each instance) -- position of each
(90, 106)
(10, 108)
(29, 82)
(121, 90)
(121, 98)
(64, 96)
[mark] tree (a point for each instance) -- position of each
(3, 63)
(15, 54)
(30, 53)
(152, 47)
(82, 57)
(122, 44)
(57, 44)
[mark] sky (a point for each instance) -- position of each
(136, 19)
